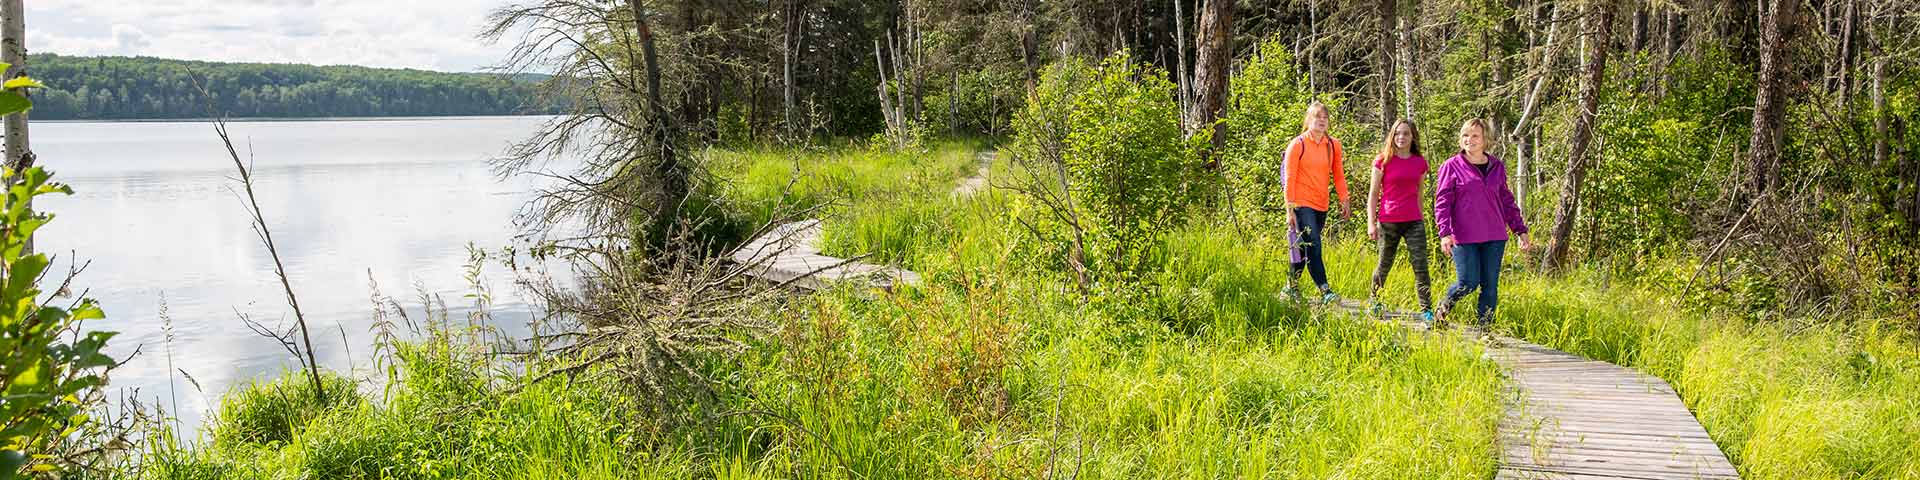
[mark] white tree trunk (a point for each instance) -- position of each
(13, 50)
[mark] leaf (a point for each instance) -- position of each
(22, 82)
(30, 377)
(11, 103)
(21, 275)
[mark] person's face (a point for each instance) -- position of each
(1472, 140)
(1318, 121)
(1403, 137)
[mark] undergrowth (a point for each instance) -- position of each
(998, 366)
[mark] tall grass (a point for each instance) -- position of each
(995, 367)
(761, 180)
(448, 415)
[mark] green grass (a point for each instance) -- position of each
(761, 180)
(447, 415)
(997, 366)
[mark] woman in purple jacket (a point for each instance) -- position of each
(1473, 209)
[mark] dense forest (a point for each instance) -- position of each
(119, 88)
(1771, 139)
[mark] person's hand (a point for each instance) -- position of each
(1526, 243)
(1373, 230)
(1446, 244)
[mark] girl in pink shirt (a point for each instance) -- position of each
(1393, 212)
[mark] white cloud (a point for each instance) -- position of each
(129, 37)
(425, 34)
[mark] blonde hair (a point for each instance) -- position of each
(1306, 120)
(1486, 135)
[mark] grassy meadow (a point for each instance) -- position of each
(997, 367)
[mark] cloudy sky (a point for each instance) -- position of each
(425, 34)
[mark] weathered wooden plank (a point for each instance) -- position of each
(1645, 444)
(1620, 473)
(1579, 418)
(1589, 455)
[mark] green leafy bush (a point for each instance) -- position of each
(1113, 133)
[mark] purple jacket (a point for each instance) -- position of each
(1475, 208)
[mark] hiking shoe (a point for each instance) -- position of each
(1329, 299)
(1427, 318)
(1377, 309)
(1290, 293)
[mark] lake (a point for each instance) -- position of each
(155, 210)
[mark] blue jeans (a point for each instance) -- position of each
(1477, 266)
(1309, 222)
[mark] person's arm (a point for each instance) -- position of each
(1510, 211)
(1373, 198)
(1444, 195)
(1340, 180)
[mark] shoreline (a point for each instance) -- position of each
(286, 119)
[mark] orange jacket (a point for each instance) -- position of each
(1310, 165)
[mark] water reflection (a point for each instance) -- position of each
(155, 211)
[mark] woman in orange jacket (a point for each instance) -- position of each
(1312, 163)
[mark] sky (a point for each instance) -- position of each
(423, 34)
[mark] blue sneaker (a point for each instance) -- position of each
(1329, 299)
(1427, 317)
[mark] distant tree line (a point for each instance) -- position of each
(112, 88)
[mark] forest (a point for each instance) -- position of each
(1771, 141)
(1088, 195)
(133, 88)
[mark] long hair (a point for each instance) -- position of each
(1486, 136)
(1386, 147)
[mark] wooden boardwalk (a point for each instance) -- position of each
(1575, 418)
(790, 254)
(1578, 419)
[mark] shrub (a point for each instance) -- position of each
(1112, 136)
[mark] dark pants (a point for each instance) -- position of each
(1414, 233)
(1309, 222)
(1477, 265)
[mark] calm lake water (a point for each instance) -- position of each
(155, 210)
